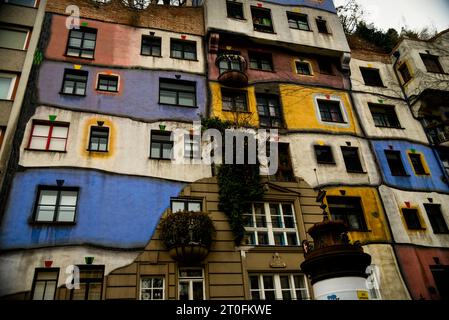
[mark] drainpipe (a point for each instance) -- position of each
(397, 55)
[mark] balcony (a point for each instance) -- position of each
(439, 133)
(187, 235)
(232, 70)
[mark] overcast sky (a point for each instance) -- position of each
(415, 14)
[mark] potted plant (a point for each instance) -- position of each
(187, 235)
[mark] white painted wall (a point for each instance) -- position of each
(17, 268)
(394, 199)
(411, 128)
(132, 148)
(344, 288)
(304, 160)
(216, 17)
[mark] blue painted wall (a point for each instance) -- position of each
(138, 96)
(433, 182)
(113, 211)
(327, 5)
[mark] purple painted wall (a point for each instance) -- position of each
(138, 96)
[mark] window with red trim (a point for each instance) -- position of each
(49, 136)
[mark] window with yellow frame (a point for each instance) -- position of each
(418, 163)
(303, 67)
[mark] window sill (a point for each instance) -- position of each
(72, 95)
(162, 159)
(238, 111)
(237, 19)
(386, 127)
(177, 105)
(376, 86)
(151, 55)
(356, 172)
(105, 91)
(270, 248)
(265, 31)
(51, 223)
(97, 151)
(76, 57)
(195, 60)
(14, 49)
(301, 29)
(40, 150)
(334, 122)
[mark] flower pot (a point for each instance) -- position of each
(189, 253)
(89, 260)
(48, 263)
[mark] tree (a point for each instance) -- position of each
(350, 14)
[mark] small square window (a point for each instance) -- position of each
(330, 111)
(183, 49)
(298, 21)
(352, 159)
(405, 73)
(161, 145)
(107, 83)
(395, 163)
(303, 68)
(325, 66)
(417, 163)
(151, 46)
(324, 155)
(56, 204)
(152, 288)
(348, 210)
(411, 218)
(45, 284)
(75, 82)
(432, 63)
(260, 61)
(234, 9)
(233, 100)
(384, 116)
(262, 19)
(436, 218)
(371, 77)
(99, 139)
(322, 26)
(82, 43)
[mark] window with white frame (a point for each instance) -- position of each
(13, 38)
(278, 287)
(49, 136)
(191, 284)
(271, 224)
(152, 288)
(7, 81)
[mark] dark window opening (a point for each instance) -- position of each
(183, 49)
(330, 111)
(262, 19)
(417, 163)
(325, 66)
(151, 46)
(285, 168)
(269, 111)
(395, 163)
(99, 138)
(107, 83)
(234, 9)
(436, 218)
(371, 77)
(322, 26)
(405, 73)
(75, 82)
(56, 204)
(411, 218)
(352, 159)
(233, 100)
(324, 155)
(303, 68)
(349, 210)
(260, 61)
(441, 277)
(177, 92)
(82, 43)
(384, 116)
(91, 283)
(432, 63)
(298, 21)
(161, 145)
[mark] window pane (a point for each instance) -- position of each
(57, 144)
(194, 206)
(50, 290)
(13, 39)
(5, 83)
(155, 149)
(48, 197)
(79, 294)
(75, 42)
(183, 291)
(88, 44)
(59, 132)
(168, 97)
(292, 239)
(279, 239)
(38, 143)
(177, 206)
(262, 238)
(187, 99)
(166, 151)
(39, 290)
(94, 291)
(198, 290)
(41, 130)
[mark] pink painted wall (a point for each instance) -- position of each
(415, 265)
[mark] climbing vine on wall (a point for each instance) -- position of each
(239, 185)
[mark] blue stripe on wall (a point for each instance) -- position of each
(113, 211)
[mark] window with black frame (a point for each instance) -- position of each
(230, 62)
(234, 9)
(260, 61)
(177, 92)
(151, 46)
(183, 49)
(262, 19)
(352, 159)
(348, 210)
(436, 218)
(269, 111)
(75, 82)
(45, 283)
(384, 115)
(371, 77)
(324, 154)
(82, 43)
(90, 283)
(411, 217)
(56, 204)
(186, 205)
(99, 139)
(234, 100)
(395, 163)
(108, 83)
(330, 111)
(161, 145)
(298, 21)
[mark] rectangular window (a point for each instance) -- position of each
(161, 145)
(260, 61)
(325, 66)
(183, 49)
(417, 163)
(371, 77)
(298, 21)
(2, 135)
(411, 218)
(395, 163)
(186, 205)
(107, 83)
(75, 82)
(192, 146)
(48, 136)
(26, 3)
(440, 275)
(352, 159)
(322, 26)
(269, 111)
(99, 138)
(271, 224)
(349, 210)
(324, 155)
(177, 92)
(230, 60)
(45, 283)
(152, 288)
(82, 43)
(384, 116)
(7, 82)
(56, 204)
(432, 63)
(191, 284)
(91, 283)
(405, 73)
(233, 100)
(151, 46)
(330, 111)
(278, 287)
(436, 218)
(285, 168)
(13, 38)
(303, 68)
(262, 19)
(234, 9)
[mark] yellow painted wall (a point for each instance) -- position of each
(92, 122)
(300, 111)
(374, 214)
